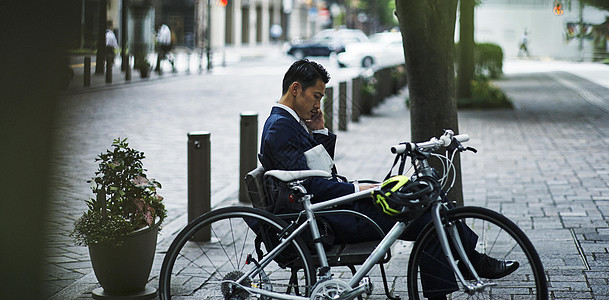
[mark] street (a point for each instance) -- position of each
(543, 164)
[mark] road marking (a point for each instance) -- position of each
(580, 250)
(586, 94)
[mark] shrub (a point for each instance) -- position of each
(485, 95)
(488, 60)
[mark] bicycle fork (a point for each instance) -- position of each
(451, 227)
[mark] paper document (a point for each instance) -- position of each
(319, 159)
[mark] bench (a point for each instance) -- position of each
(347, 255)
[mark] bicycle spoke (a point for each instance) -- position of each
(498, 238)
(205, 269)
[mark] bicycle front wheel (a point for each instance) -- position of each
(498, 237)
(237, 240)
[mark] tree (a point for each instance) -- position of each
(379, 12)
(600, 4)
(428, 29)
(465, 73)
(101, 37)
(600, 31)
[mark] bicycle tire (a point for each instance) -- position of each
(197, 269)
(499, 238)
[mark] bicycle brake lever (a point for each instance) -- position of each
(456, 145)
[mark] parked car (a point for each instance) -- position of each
(383, 49)
(326, 42)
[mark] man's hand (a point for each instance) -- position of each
(366, 186)
(316, 122)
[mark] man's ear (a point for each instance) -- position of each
(295, 88)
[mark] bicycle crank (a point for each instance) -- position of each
(329, 289)
(339, 290)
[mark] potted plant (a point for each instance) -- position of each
(142, 64)
(122, 222)
(368, 93)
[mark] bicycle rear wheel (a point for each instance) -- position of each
(498, 237)
(203, 269)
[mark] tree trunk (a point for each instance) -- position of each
(466, 49)
(101, 37)
(428, 29)
(124, 57)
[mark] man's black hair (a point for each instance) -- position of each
(306, 73)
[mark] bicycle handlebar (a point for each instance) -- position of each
(432, 144)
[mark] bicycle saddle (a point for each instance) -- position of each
(295, 175)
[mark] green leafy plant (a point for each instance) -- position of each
(368, 86)
(485, 95)
(488, 60)
(367, 93)
(398, 77)
(126, 200)
(140, 62)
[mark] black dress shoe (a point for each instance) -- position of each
(488, 267)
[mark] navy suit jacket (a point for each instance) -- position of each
(284, 142)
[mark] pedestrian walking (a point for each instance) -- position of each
(164, 43)
(276, 32)
(111, 46)
(524, 40)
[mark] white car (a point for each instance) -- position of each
(383, 50)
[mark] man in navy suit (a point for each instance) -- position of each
(296, 125)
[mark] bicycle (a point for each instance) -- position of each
(226, 267)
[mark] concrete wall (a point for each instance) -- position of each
(503, 22)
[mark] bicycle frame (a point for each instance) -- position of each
(392, 236)
(384, 245)
(310, 210)
(377, 254)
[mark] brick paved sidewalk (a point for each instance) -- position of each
(543, 165)
(187, 62)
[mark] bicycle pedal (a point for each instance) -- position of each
(367, 283)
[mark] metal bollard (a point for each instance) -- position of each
(87, 74)
(188, 63)
(247, 150)
(328, 108)
(342, 106)
(384, 84)
(201, 61)
(356, 88)
(109, 71)
(380, 87)
(127, 68)
(199, 179)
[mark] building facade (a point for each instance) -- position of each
(232, 23)
(552, 28)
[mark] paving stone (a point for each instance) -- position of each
(538, 164)
(571, 295)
